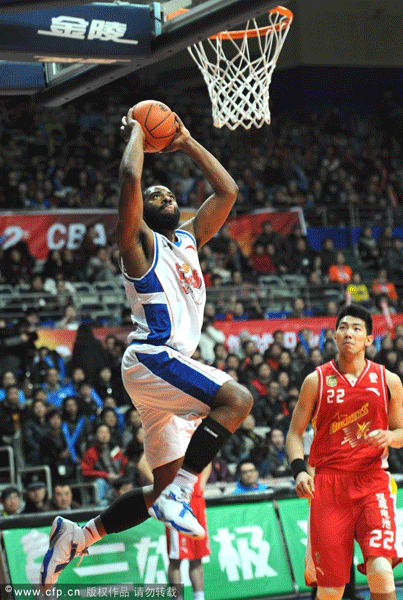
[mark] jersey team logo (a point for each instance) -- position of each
(331, 380)
(353, 426)
(191, 282)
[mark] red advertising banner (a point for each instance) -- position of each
(44, 231)
(62, 340)
(246, 228)
(261, 332)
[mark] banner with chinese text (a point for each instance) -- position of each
(247, 555)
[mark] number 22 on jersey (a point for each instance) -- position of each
(335, 395)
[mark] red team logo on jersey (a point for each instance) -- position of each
(354, 432)
(190, 279)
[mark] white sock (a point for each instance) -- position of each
(198, 595)
(185, 480)
(91, 533)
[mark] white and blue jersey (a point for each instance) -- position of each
(171, 391)
(167, 303)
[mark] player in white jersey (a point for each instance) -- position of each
(188, 410)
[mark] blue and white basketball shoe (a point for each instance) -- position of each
(173, 509)
(66, 541)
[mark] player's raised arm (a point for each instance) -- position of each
(301, 416)
(213, 213)
(133, 237)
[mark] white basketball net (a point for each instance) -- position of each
(238, 84)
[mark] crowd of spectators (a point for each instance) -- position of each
(68, 158)
(73, 415)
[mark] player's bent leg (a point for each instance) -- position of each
(229, 408)
(380, 578)
(329, 593)
(231, 405)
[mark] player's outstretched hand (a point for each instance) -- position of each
(181, 138)
(304, 486)
(128, 124)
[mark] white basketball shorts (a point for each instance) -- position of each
(172, 393)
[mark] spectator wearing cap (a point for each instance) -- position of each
(62, 498)
(36, 498)
(11, 500)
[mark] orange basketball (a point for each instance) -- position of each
(158, 123)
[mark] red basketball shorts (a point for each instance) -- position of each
(348, 506)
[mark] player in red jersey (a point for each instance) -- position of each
(356, 411)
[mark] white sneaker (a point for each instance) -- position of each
(172, 508)
(66, 541)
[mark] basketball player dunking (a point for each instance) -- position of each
(188, 410)
(356, 411)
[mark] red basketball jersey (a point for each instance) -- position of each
(345, 414)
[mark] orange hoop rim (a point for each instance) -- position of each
(250, 33)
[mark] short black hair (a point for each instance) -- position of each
(355, 310)
(245, 461)
(8, 491)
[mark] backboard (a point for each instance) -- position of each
(65, 79)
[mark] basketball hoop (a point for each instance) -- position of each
(238, 83)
